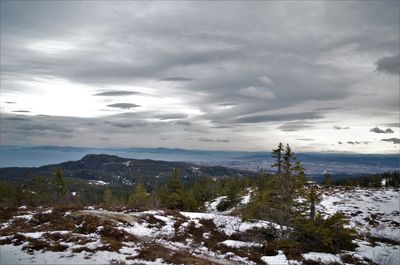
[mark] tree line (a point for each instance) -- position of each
(389, 179)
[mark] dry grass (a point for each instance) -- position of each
(17, 226)
(153, 251)
(152, 221)
(7, 213)
(114, 238)
(37, 244)
(187, 258)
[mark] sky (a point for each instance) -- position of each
(321, 76)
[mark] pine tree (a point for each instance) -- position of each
(59, 183)
(40, 189)
(277, 154)
(139, 198)
(313, 198)
(173, 198)
(279, 200)
(109, 198)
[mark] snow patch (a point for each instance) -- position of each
(240, 244)
(98, 182)
(322, 257)
(279, 259)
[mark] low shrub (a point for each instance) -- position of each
(321, 235)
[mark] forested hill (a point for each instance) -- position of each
(114, 169)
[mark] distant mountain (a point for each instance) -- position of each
(114, 169)
(314, 163)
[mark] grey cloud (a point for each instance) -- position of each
(104, 139)
(393, 140)
(228, 104)
(353, 142)
(327, 109)
(177, 79)
(208, 53)
(125, 124)
(377, 130)
(184, 123)
(21, 111)
(117, 93)
(10, 102)
(171, 116)
(222, 127)
(336, 127)
(279, 117)
(45, 127)
(208, 140)
(15, 119)
(389, 65)
(394, 124)
(118, 72)
(130, 128)
(294, 126)
(123, 105)
(305, 139)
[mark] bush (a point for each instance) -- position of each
(328, 235)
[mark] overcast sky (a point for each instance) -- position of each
(321, 76)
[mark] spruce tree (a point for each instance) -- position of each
(109, 198)
(59, 183)
(313, 198)
(139, 197)
(173, 199)
(280, 199)
(277, 154)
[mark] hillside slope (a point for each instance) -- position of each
(114, 169)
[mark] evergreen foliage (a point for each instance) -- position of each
(139, 198)
(59, 183)
(279, 198)
(324, 235)
(172, 196)
(389, 179)
(313, 198)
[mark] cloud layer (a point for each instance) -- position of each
(243, 76)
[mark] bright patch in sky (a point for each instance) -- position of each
(51, 46)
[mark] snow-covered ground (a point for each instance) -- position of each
(373, 213)
(96, 236)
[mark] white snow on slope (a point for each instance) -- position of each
(381, 253)
(374, 211)
(228, 224)
(239, 244)
(279, 259)
(322, 257)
